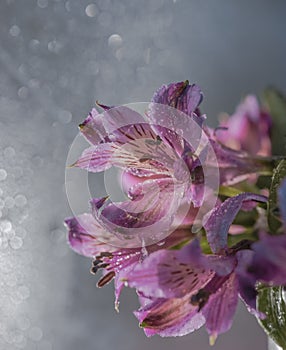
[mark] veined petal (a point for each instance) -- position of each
(153, 202)
(84, 235)
(123, 261)
(92, 128)
(246, 282)
(135, 148)
(221, 217)
(170, 317)
(96, 158)
(180, 95)
(169, 274)
(118, 117)
(220, 309)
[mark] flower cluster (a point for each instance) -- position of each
(185, 278)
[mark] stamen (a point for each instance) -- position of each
(105, 279)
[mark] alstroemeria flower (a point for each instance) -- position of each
(184, 289)
(248, 129)
(169, 162)
(153, 153)
(169, 151)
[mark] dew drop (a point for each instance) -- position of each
(5, 226)
(42, 3)
(23, 92)
(9, 152)
(9, 202)
(34, 43)
(3, 174)
(91, 10)
(54, 46)
(20, 200)
(65, 117)
(16, 242)
(115, 40)
(14, 30)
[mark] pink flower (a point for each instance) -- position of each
(248, 129)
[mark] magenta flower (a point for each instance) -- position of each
(248, 129)
(168, 157)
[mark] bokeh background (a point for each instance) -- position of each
(56, 58)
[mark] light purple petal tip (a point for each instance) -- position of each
(219, 221)
(84, 235)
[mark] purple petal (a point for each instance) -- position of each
(220, 309)
(168, 274)
(268, 264)
(235, 166)
(92, 128)
(180, 95)
(222, 216)
(96, 158)
(133, 147)
(153, 202)
(246, 282)
(170, 317)
(282, 200)
(176, 128)
(84, 235)
(118, 117)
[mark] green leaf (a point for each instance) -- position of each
(271, 303)
(275, 102)
(228, 191)
(279, 174)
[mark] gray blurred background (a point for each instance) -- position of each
(56, 58)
